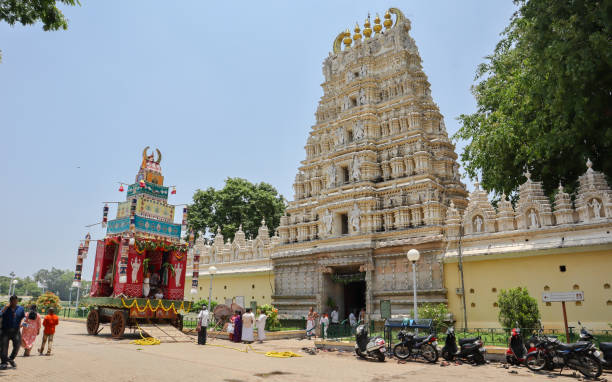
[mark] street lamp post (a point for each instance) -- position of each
(211, 271)
(413, 256)
(15, 281)
(12, 274)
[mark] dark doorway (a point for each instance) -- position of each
(354, 297)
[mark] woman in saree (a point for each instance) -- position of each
(237, 328)
(31, 328)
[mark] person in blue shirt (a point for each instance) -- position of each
(12, 315)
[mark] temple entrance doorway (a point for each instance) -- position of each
(354, 297)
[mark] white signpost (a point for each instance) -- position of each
(562, 297)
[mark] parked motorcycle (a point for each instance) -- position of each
(605, 348)
(411, 346)
(516, 352)
(579, 356)
(369, 347)
(472, 349)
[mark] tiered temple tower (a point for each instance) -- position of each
(379, 175)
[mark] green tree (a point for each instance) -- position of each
(28, 12)
(544, 97)
(56, 280)
(48, 300)
(516, 305)
(438, 313)
(238, 202)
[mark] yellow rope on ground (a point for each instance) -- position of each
(275, 354)
(145, 340)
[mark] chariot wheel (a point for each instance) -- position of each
(117, 324)
(93, 322)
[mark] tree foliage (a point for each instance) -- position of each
(516, 305)
(238, 202)
(56, 280)
(438, 313)
(48, 300)
(544, 97)
(28, 12)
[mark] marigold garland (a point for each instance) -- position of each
(159, 305)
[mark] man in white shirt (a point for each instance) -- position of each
(261, 326)
(334, 316)
(202, 325)
(352, 319)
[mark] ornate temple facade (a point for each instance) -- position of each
(244, 270)
(378, 177)
(558, 247)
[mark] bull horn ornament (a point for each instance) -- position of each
(145, 156)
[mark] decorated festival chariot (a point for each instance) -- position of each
(139, 270)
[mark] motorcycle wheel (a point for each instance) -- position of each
(359, 353)
(447, 355)
(429, 353)
(478, 359)
(535, 361)
(379, 355)
(401, 351)
(590, 366)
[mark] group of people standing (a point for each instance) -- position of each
(21, 330)
(241, 326)
(325, 320)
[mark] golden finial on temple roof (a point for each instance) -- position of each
(347, 38)
(387, 23)
(357, 35)
(377, 26)
(367, 31)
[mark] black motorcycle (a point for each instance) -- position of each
(412, 346)
(472, 349)
(604, 354)
(553, 353)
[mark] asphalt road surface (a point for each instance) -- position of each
(80, 357)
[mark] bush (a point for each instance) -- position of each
(438, 313)
(516, 305)
(197, 306)
(272, 322)
(48, 300)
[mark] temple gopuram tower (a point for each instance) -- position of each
(379, 175)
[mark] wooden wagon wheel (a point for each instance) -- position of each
(93, 322)
(117, 324)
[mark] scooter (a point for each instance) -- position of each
(366, 347)
(605, 348)
(515, 355)
(472, 349)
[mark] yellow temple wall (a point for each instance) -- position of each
(252, 286)
(590, 272)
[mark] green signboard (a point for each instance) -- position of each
(385, 309)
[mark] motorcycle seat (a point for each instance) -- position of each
(419, 339)
(564, 346)
(605, 346)
(463, 341)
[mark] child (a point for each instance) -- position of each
(50, 322)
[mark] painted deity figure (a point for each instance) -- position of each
(478, 222)
(354, 218)
(178, 271)
(596, 208)
(327, 221)
(356, 173)
(135, 267)
(331, 176)
(533, 216)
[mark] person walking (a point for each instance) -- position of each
(261, 325)
(31, 329)
(248, 320)
(50, 322)
(324, 322)
(311, 323)
(202, 325)
(12, 314)
(237, 337)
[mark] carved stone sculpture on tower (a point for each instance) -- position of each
(354, 218)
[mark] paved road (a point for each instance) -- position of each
(79, 357)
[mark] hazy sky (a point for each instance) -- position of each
(223, 89)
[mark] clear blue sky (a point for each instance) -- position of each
(224, 89)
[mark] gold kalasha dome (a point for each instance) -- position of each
(345, 37)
